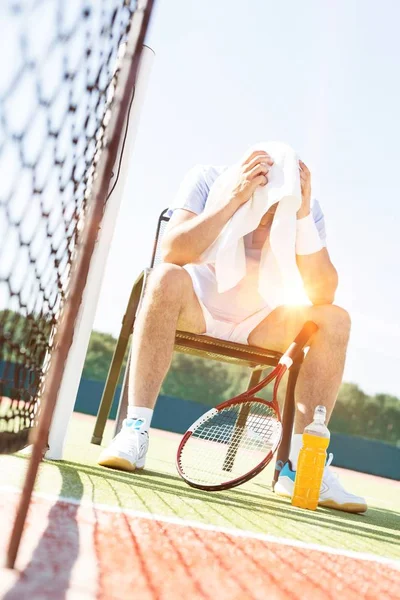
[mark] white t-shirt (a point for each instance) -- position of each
(244, 299)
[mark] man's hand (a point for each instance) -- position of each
(253, 172)
(305, 180)
(188, 235)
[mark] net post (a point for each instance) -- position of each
(84, 324)
(65, 331)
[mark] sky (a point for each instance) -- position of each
(320, 76)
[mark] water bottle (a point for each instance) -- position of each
(311, 462)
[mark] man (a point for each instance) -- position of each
(183, 295)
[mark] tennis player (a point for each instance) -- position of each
(183, 295)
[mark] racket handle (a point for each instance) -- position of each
(301, 340)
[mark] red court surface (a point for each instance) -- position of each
(77, 551)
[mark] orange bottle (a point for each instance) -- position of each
(311, 462)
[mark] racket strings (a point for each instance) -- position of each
(231, 443)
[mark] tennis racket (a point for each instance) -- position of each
(236, 440)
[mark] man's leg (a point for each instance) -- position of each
(318, 383)
(321, 373)
(169, 304)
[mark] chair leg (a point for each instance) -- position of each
(240, 425)
(110, 387)
(124, 397)
(116, 363)
(287, 423)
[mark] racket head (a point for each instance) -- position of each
(230, 444)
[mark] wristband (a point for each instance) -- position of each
(307, 236)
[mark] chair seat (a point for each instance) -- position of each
(221, 350)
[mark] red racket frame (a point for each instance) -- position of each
(284, 364)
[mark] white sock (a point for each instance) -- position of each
(295, 447)
(141, 412)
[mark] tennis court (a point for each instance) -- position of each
(93, 532)
(72, 91)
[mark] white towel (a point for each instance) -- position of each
(279, 274)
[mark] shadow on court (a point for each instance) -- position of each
(48, 573)
(139, 546)
(237, 508)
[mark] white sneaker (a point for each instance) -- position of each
(332, 493)
(128, 449)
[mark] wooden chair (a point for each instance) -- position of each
(253, 357)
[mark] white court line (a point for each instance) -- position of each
(240, 533)
(380, 503)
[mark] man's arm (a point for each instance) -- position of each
(319, 276)
(188, 235)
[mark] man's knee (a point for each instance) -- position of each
(170, 280)
(336, 322)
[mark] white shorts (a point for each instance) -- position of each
(232, 332)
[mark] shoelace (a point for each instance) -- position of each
(133, 441)
(330, 459)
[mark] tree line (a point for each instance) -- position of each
(23, 340)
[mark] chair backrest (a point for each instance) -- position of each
(161, 226)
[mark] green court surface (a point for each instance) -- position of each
(251, 507)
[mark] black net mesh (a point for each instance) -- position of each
(59, 69)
